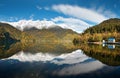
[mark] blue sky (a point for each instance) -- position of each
(86, 12)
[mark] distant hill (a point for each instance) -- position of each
(13, 32)
(110, 25)
(52, 34)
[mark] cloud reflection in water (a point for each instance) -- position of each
(76, 62)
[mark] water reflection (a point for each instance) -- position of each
(14, 48)
(107, 56)
(33, 48)
(38, 52)
(66, 58)
(59, 61)
(80, 68)
(67, 64)
(111, 46)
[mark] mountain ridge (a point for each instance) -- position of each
(110, 25)
(52, 34)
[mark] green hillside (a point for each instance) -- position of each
(106, 29)
(13, 32)
(111, 25)
(33, 35)
(52, 35)
(55, 39)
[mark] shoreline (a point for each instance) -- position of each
(104, 43)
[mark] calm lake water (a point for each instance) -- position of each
(59, 61)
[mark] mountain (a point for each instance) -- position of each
(35, 35)
(53, 39)
(12, 31)
(110, 25)
(107, 29)
(51, 35)
(28, 24)
(45, 24)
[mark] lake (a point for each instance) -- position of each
(59, 61)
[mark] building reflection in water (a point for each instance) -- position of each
(109, 46)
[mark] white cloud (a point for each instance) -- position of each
(71, 23)
(75, 61)
(67, 58)
(79, 68)
(31, 16)
(109, 14)
(80, 12)
(66, 23)
(46, 8)
(12, 18)
(105, 12)
(30, 23)
(38, 7)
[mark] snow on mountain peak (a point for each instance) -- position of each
(65, 23)
(30, 23)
